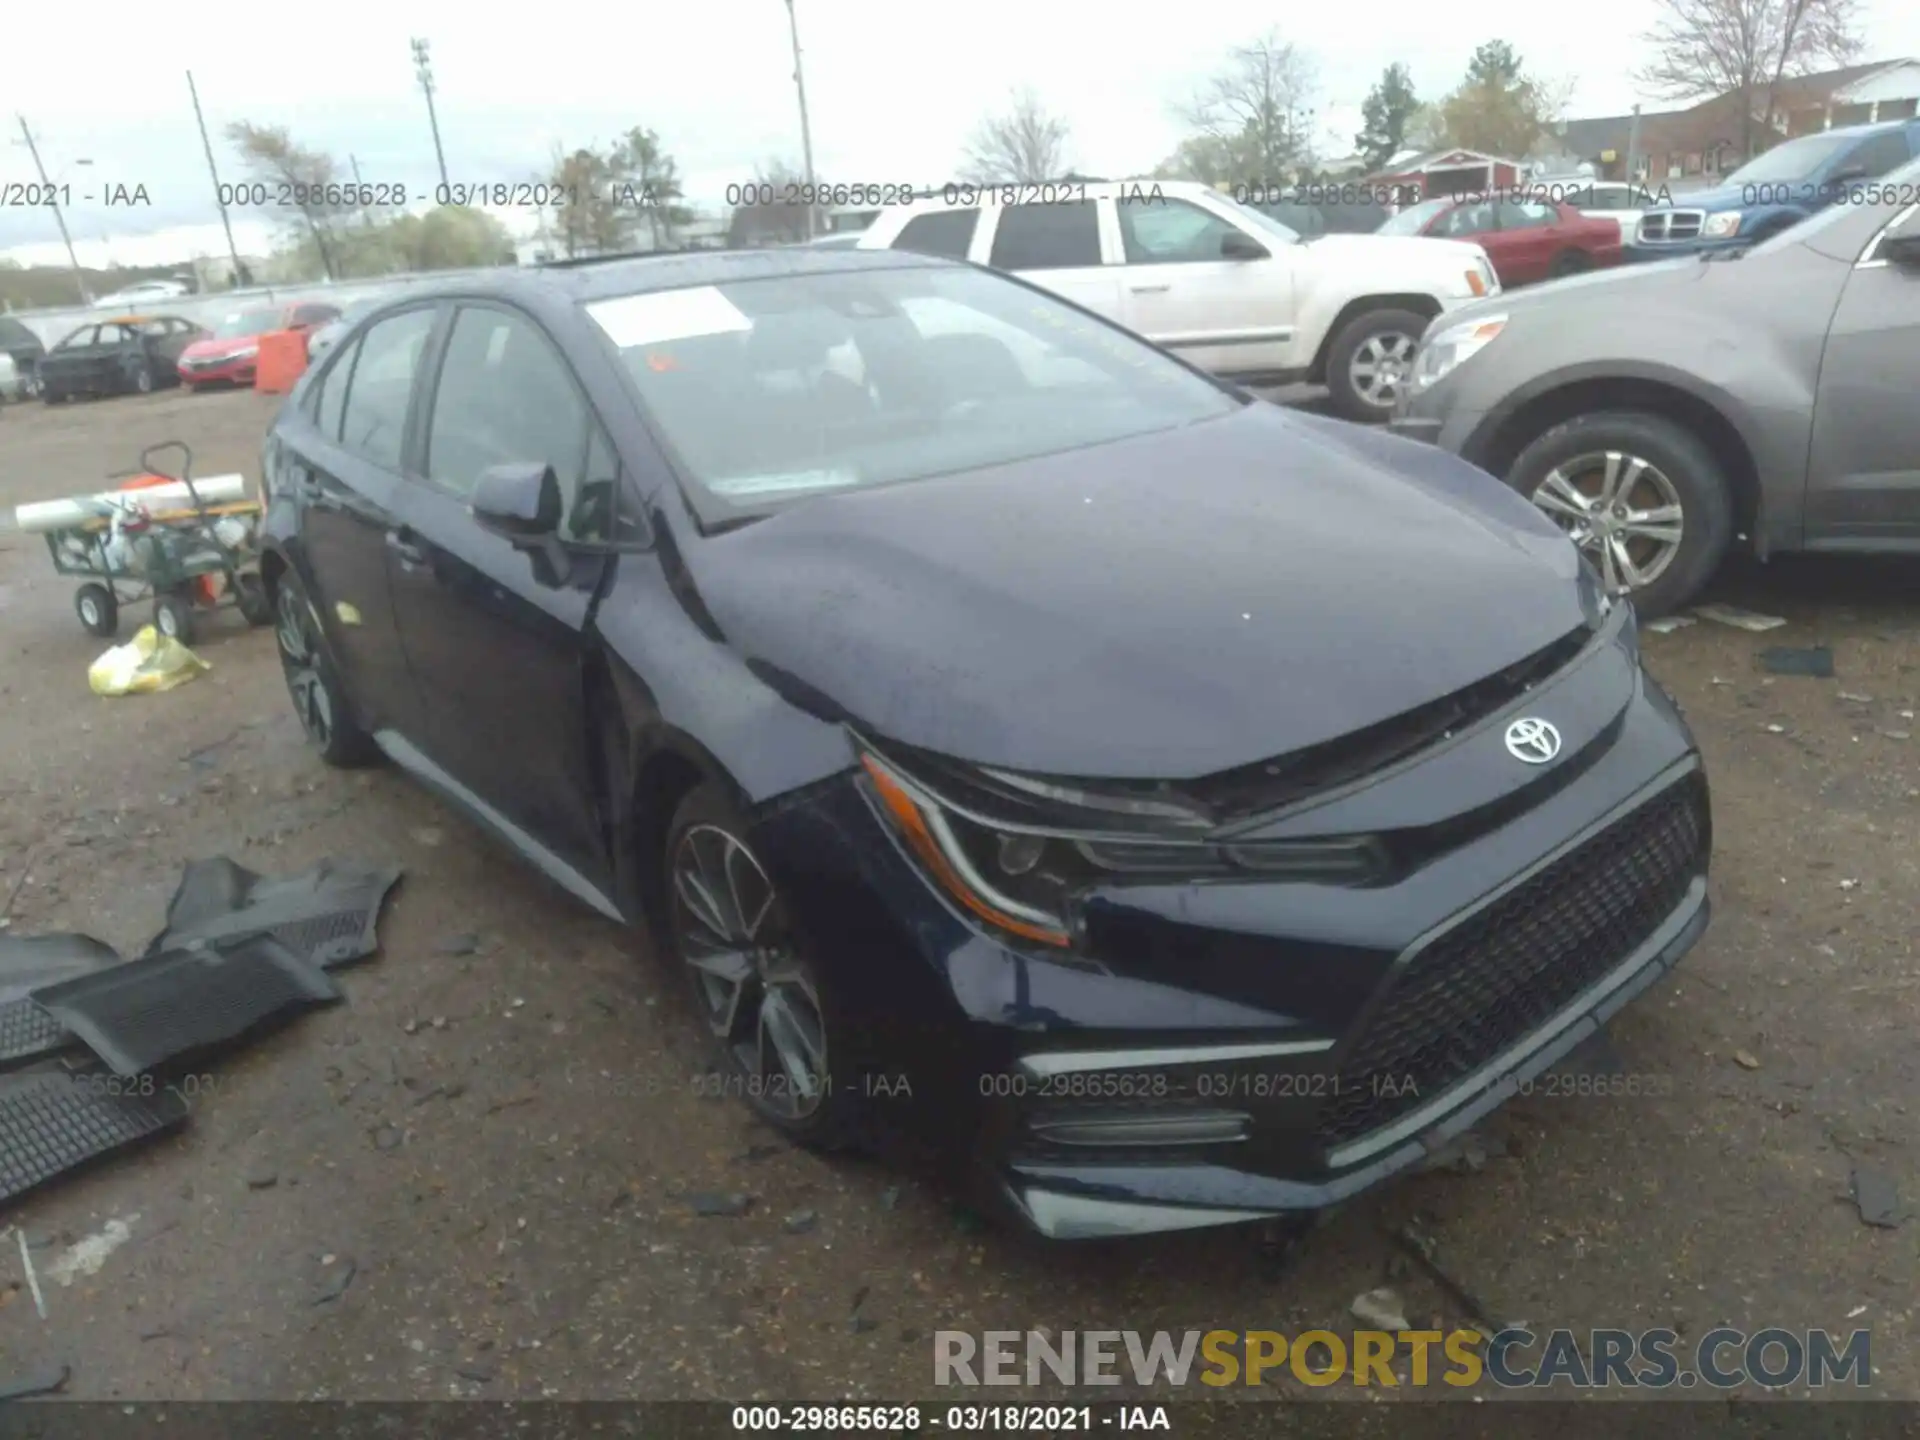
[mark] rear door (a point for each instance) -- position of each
(342, 459)
(1863, 483)
(1057, 247)
(1531, 235)
(495, 640)
(1182, 292)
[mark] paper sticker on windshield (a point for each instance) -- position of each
(664, 315)
(744, 487)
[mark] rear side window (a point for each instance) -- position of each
(1047, 237)
(375, 420)
(946, 233)
(1876, 155)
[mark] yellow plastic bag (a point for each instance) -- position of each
(148, 662)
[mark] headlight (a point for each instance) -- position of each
(1718, 227)
(1443, 351)
(1026, 880)
(245, 352)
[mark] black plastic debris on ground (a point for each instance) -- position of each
(329, 915)
(28, 962)
(1812, 660)
(164, 1010)
(1877, 1199)
(57, 1121)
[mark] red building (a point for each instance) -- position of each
(1447, 172)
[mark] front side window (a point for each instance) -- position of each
(381, 387)
(1047, 237)
(946, 233)
(1415, 218)
(1526, 214)
(1475, 219)
(505, 397)
(1170, 232)
(770, 389)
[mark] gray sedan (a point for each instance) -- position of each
(1660, 413)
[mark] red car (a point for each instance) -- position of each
(227, 356)
(1526, 239)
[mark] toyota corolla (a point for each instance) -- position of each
(1186, 810)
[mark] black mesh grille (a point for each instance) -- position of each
(1487, 982)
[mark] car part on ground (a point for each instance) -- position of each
(1223, 285)
(1804, 444)
(148, 1016)
(56, 1122)
(328, 915)
(28, 962)
(992, 881)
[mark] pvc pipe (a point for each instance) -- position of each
(40, 516)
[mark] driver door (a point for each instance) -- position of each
(495, 643)
(1182, 291)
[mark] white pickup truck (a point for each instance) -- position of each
(1225, 287)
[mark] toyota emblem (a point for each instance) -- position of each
(1532, 741)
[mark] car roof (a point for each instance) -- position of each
(603, 279)
(967, 197)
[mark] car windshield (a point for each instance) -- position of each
(248, 322)
(1415, 218)
(1894, 186)
(772, 388)
(1791, 161)
(79, 339)
(1260, 220)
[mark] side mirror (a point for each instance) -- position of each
(1235, 246)
(519, 502)
(1902, 250)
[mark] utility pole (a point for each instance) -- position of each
(423, 70)
(366, 220)
(1633, 146)
(226, 224)
(59, 219)
(806, 131)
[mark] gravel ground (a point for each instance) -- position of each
(473, 1178)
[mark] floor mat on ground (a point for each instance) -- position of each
(54, 1122)
(27, 963)
(167, 1009)
(329, 915)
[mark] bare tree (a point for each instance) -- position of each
(1747, 47)
(294, 174)
(1025, 145)
(1259, 107)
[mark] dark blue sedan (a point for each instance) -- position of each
(1184, 810)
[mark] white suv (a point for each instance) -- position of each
(1220, 284)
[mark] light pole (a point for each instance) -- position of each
(226, 224)
(59, 218)
(806, 130)
(423, 71)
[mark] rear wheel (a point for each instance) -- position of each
(250, 594)
(1367, 363)
(143, 380)
(313, 684)
(173, 615)
(1643, 497)
(1568, 262)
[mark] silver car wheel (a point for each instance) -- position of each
(1620, 509)
(759, 999)
(1379, 368)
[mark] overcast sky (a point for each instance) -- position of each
(894, 90)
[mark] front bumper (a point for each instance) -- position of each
(1637, 253)
(218, 372)
(1228, 1052)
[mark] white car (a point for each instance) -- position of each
(1223, 286)
(144, 293)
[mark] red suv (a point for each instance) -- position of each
(1526, 239)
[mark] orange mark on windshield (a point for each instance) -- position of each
(661, 364)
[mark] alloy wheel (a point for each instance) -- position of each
(759, 999)
(1621, 510)
(300, 656)
(1379, 367)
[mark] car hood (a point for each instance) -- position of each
(220, 349)
(1621, 285)
(1163, 607)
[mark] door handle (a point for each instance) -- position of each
(401, 543)
(1151, 289)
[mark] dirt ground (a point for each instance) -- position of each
(493, 1151)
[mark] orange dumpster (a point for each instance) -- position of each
(283, 355)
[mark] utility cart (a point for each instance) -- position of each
(188, 546)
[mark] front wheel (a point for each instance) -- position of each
(174, 615)
(98, 609)
(1368, 362)
(1643, 497)
(763, 999)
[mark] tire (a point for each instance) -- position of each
(313, 684)
(250, 594)
(143, 380)
(1378, 333)
(1677, 463)
(1568, 262)
(98, 609)
(711, 878)
(174, 616)
(52, 397)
